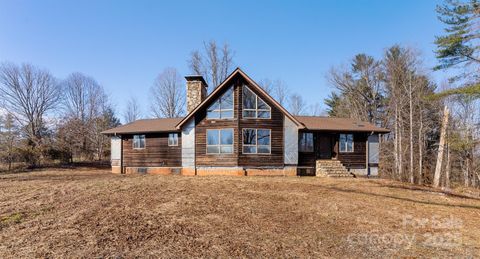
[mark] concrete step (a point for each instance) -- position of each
(333, 162)
(331, 168)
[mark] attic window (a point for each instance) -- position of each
(222, 108)
(254, 106)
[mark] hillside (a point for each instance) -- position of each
(82, 212)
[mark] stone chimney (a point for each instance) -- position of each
(196, 91)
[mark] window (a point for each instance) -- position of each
(138, 141)
(306, 142)
(256, 141)
(253, 106)
(220, 141)
(346, 142)
(222, 108)
(173, 139)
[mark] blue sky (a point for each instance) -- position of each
(125, 44)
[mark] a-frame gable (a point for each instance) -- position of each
(252, 85)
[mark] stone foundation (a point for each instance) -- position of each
(208, 171)
(154, 170)
(286, 171)
(230, 171)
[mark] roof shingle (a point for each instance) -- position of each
(146, 126)
(310, 123)
(338, 124)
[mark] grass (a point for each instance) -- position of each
(92, 213)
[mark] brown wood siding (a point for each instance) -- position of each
(306, 159)
(201, 126)
(275, 124)
(156, 153)
(358, 157)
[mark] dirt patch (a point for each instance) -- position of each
(87, 213)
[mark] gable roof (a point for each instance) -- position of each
(146, 126)
(338, 124)
(224, 84)
(309, 123)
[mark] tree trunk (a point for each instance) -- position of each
(472, 169)
(420, 150)
(441, 147)
(400, 151)
(395, 144)
(412, 179)
(465, 172)
(447, 169)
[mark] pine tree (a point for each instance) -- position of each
(459, 47)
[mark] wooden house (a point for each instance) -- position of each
(239, 129)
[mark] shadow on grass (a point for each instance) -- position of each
(74, 171)
(407, 186)
(344, 190)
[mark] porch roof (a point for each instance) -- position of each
(338, 124)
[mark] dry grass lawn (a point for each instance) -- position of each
(92, 213)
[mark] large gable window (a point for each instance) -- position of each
(220, 141)
(138, 141)
(222, 108)
(254, 106)
(346, 142)
(256, 141)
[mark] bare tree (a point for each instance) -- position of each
(29, 94)
(214, 65)
(277, 89)
(86, 105)
(132, 110)
(267, 85)
(315, 110)
(297, 105)
(196, 63)
(9, 139)
(83, 97)
(280, 92)
(168, 95)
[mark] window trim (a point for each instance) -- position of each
(256, 142)
(220, 141)
(220, 109)
(256, 110)
(144, 142)
(174, 144)
(346, 145)
(313, 143)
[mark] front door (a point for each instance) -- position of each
(324, 146)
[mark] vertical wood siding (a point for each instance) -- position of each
(157, 153)
(275, 124)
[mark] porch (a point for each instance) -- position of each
(334, 153)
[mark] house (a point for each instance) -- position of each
(241, 130)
